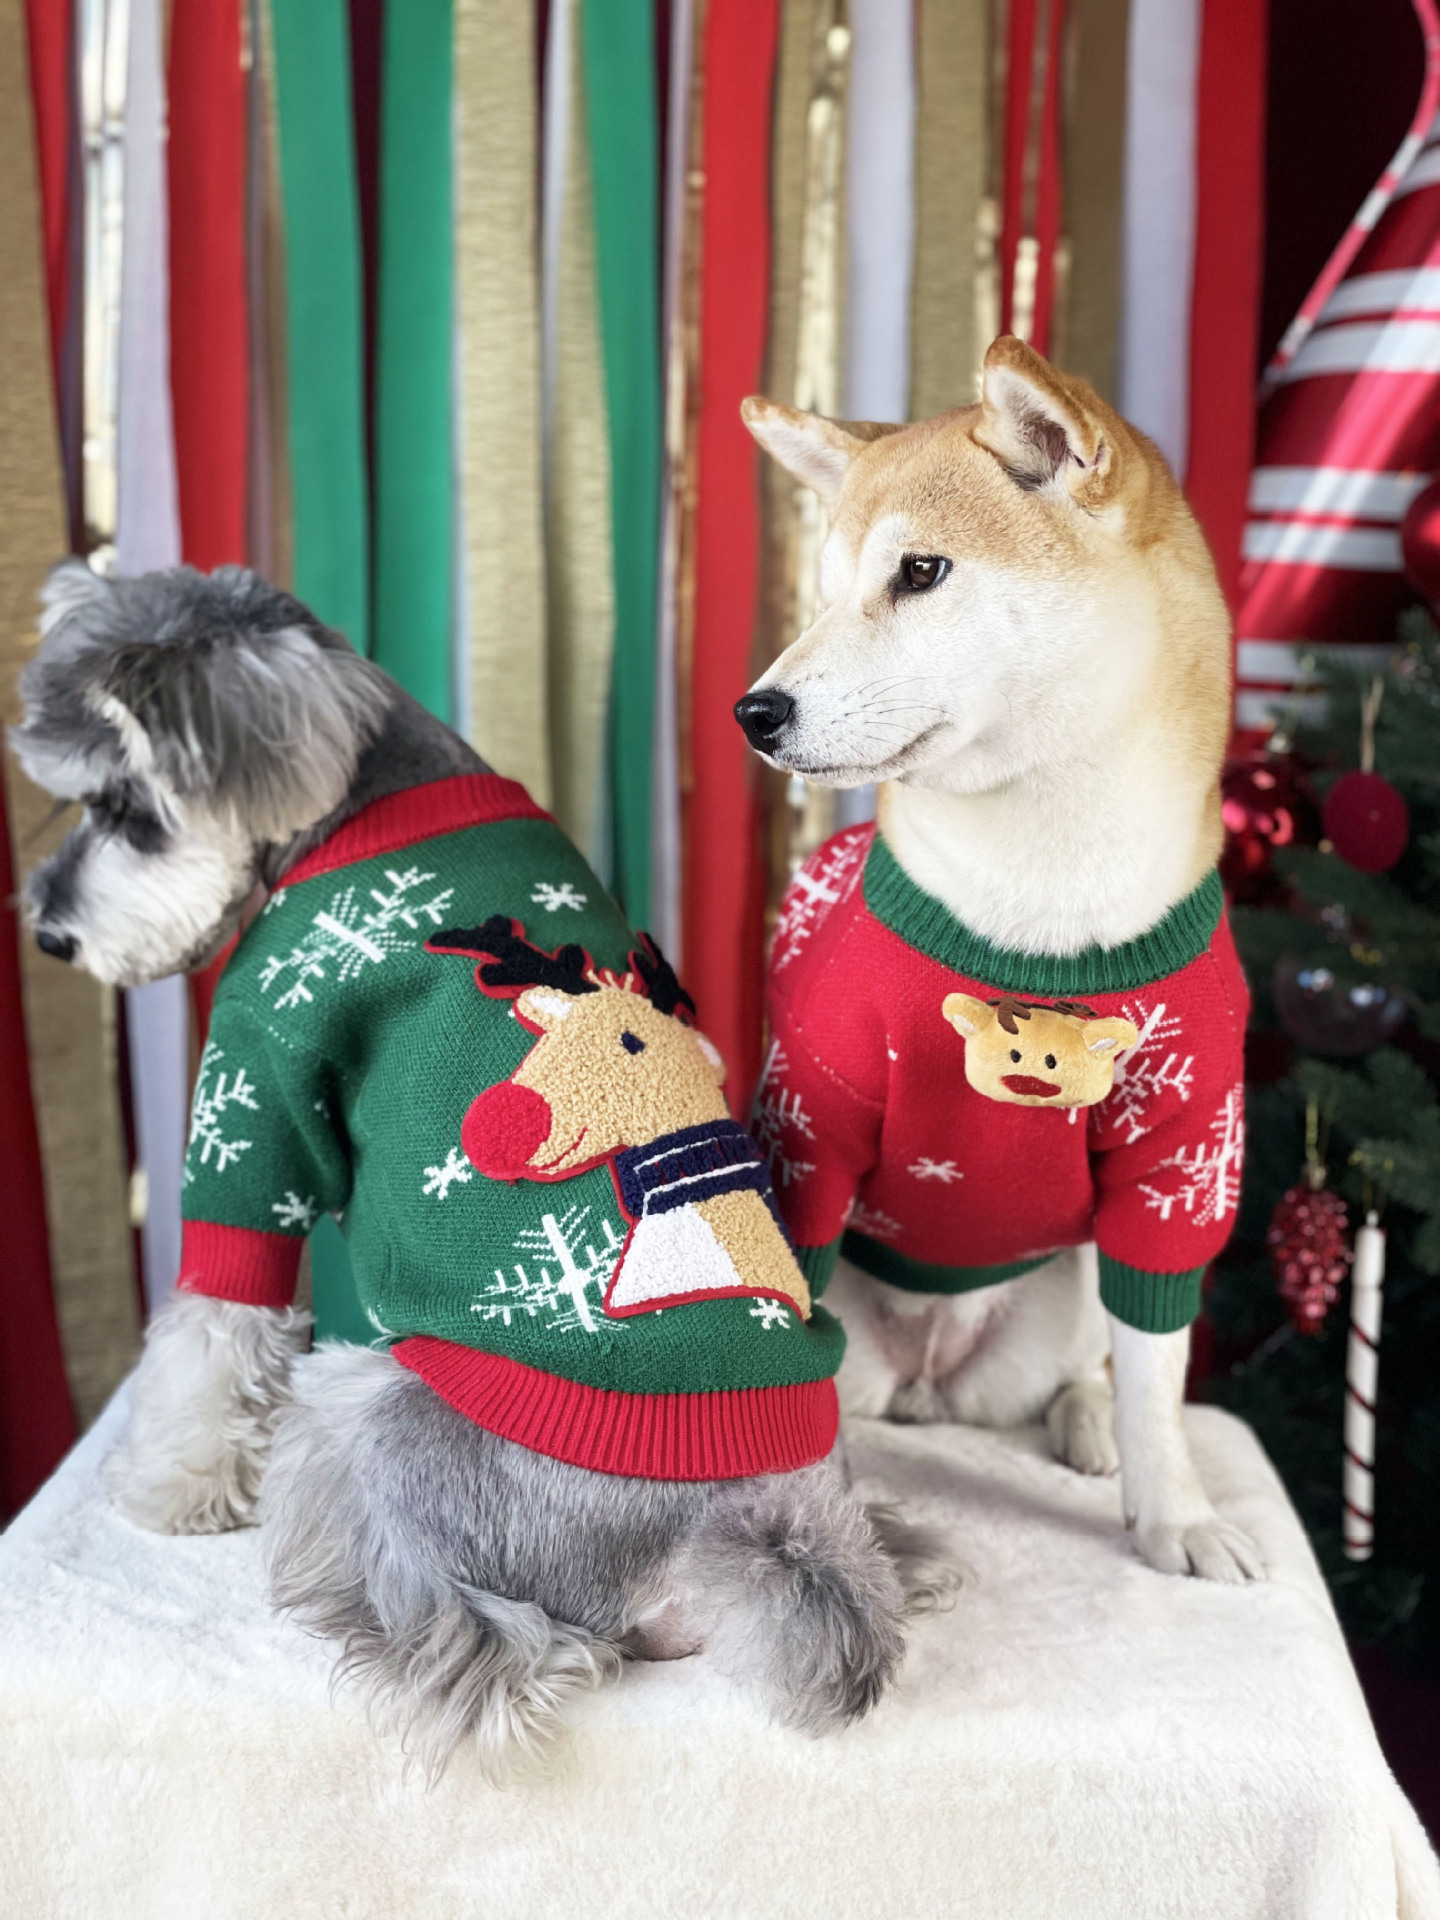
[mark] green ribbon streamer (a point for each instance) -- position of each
(324, 314)
(413, 425)
(326, 393)
(620, 82)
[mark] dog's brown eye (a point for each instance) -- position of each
(1014, 1055)
(919, 572)
(1050, 1061)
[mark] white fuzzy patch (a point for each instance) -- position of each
(140, 916)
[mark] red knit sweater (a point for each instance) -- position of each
(878, 1143)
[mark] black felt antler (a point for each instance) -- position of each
(661, 985)
(511, 962)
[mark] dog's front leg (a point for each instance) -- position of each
(1176, 1528)
(203, 1403)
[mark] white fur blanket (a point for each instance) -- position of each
(1078, 1735)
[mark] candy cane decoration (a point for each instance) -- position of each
(1362, 1367)
(1376, 201)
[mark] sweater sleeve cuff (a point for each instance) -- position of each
(817, 1264)
(239, 1263)
(1153, 1302)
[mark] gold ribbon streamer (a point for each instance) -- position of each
(954, 229)
(272, 516)
(579, 583)
(803, 360)
(70, 1020)
(497, 294)
(1087, 318)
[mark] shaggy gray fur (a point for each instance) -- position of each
(248, 702)
(797, 1601)
(246, 699)
(474, 1586)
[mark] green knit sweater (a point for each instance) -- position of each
(441, 1031)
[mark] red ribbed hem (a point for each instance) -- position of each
(419, 813)
(653, 1436)
(238, 1263)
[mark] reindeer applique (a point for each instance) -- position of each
(618, 1076)
(1038, 1056)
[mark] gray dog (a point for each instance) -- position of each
(214, 733)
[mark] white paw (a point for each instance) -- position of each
(1080, 1421)
(916, 1404)
(1212, 1549)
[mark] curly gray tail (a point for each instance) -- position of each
(800, 1602)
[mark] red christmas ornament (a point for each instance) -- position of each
(1420, 542)
(1366, 821)
(1265, 802)
(1306, 1238)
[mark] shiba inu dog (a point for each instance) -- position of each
(1021, 637)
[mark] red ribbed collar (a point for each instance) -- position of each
(417, 813)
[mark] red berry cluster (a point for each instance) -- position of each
(1309, 1253)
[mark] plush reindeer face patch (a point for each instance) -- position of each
(618, 1075)
(615, 1062)
(1036, 1056)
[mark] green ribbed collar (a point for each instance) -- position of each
(926, 923)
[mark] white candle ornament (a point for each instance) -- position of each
(1362, 1367)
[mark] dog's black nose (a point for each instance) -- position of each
(764, 716)
(58, 945)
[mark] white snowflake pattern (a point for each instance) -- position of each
(821, 884)
(945, 1171)
(277, 899)
(557, 1280)
(439, 1180)
(779, 1116)
(873, 1222)
(292, 1211)
(1208, 1189)
(770, 1313)
(209, 1145)
(347, 936)
(1154, 1065)
(552, 898)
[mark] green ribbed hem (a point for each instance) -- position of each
(1153, 1302)
(817, 1264)
(927, 924)
(921, 1276)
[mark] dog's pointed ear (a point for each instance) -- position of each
(816, 450)
(1044, 427)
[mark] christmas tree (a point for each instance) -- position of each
(1344, 965)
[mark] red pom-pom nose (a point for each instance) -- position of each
(504, 1129)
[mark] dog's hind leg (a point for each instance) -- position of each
(795, 1597)
(475, 1587)
(1080, 1422)
(203, 1404)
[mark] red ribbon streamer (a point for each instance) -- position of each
(36, 1421)
(1225, 293)
(724, 870)
(209, 306)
